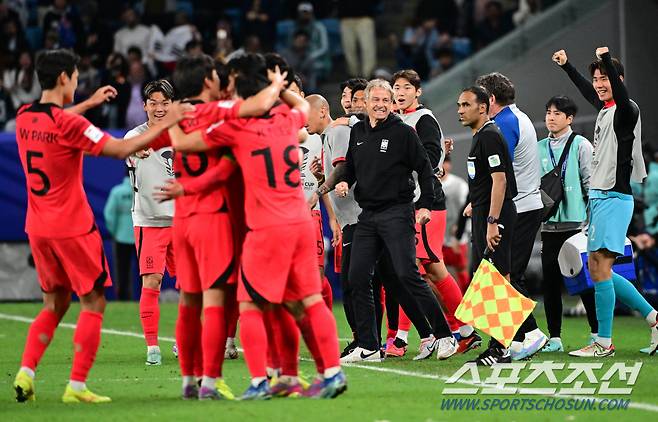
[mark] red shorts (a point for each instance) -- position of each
(155, 250)
(319, 238)
(76, 264)
(205, 253)
(429, 238)
(279, 264)
(456, 259)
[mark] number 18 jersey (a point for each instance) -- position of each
(51, 144)
(267, 151)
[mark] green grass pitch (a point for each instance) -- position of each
(396, 390)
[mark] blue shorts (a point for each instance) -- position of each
(610, 215)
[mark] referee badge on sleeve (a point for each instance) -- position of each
(470, 166)
(494, 160)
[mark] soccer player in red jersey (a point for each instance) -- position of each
(204, 227)
(273, 272)
(66, 244)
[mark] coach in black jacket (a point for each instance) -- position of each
(382, 155)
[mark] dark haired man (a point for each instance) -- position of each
(273, 272)
(617, 159)
(152, 219)
(429, 237)
(492, 188)
(521, 138)
(571, 215)
(68, 257)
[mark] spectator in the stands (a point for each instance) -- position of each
(173, 46)
(64, 19)
(224, 40)
(116, 70)
(260, 20)
(7, 111)
(21, 81)
(445, 12)
(136, 55)
(16, 11)
(132, 34)
(299, 58)
(89, 78)
(251, 45)
(194, 48)
(13, 41)
(97, 39)
(445, 59)
(527, 9)
(318, 44)
(357, 32)
(418, 43)
(494, 25)
(135, 114)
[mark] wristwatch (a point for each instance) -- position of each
(492, 220)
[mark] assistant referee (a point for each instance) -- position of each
(382, 156)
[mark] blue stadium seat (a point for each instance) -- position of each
(333, 32)
(34, 35)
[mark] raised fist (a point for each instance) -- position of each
(560, 57)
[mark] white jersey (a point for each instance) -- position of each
(311, 150)
(146, 174)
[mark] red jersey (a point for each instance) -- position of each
(267, 151)
(51, 145)
(190, 165)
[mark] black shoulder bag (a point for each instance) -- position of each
(552, 183)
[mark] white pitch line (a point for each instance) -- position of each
(634, 405)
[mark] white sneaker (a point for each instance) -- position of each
(532, 344)
(360, 354)
(447, 347)
(594, 350)
(653, 347)
(427, 347)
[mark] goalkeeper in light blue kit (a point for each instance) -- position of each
(616, 161)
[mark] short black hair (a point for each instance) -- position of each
(162, 86)
(564, 104)
(190, 73)
(598, 64)
(223, 73)
(272, 60)
(481, 95)
(51, 64)
(193, 44)
(133, 49)
(499, 86)
(348, 83)
(409, 74)
(357, 84)
(301, 32)
(298, 81)
(250, 74)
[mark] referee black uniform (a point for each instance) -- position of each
(381, 161)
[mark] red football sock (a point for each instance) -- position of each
(254, 339)
(188, 338)
(451, 296)
(213, 340)
(149, 313)
(288, 341)
(324, 330)
(327, 293)
(273, 351)
(464, 280)
(86, 340)
(311, 343)
(39, 336)
(404, 323)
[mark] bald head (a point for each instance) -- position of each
(319, 116)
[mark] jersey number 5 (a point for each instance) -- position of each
(33, 170)
(269, 165)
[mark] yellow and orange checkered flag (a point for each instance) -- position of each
(492, 305)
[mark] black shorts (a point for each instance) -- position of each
(502, 256)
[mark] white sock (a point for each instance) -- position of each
(150, 349)
(465, 330)
(289, 379)
(77, 385)
(28, 371)
(188, 380)
(516, 346)
(594, 335)
(256, 381)
(330, 372)
(230, 341)
(557, 339)
(605, 342)
(651, 317)
(208, 382)
(403, 335)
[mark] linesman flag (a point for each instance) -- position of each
(492, 305)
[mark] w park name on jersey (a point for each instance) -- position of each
(38, 136)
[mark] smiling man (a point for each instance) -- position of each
(383, 152)
(617, 160)
(152, 219)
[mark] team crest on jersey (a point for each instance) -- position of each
(93, 133)
(305, 151)
(383, 147)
